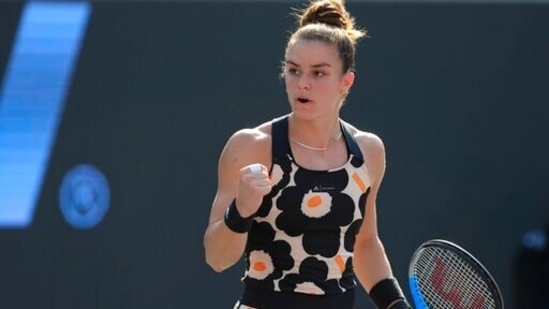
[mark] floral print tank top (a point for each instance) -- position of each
(303, 234)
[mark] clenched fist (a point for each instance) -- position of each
(254, 184)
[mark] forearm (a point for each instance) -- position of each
(373, 270)
(370, 263)
(223, 247)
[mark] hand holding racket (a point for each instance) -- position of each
(444, 275)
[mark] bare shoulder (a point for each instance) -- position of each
(373, 150)
(369, 142)
(251, 136)
(249, 145)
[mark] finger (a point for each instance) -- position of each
(264, 190)
(255, 168)
(263, 182)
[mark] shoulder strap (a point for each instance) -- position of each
(280, 144)
(352, 145)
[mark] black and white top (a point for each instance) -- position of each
(303, 235)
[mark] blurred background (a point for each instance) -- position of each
(113, 115)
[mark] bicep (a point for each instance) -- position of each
(375, 161)
(243, 148)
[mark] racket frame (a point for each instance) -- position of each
(460, 252)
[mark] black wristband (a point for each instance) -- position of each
(387, 294)
(235, 222)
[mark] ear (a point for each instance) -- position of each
(348, 80)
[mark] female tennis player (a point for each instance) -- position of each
(296, 195)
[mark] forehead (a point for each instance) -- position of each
(309, 53)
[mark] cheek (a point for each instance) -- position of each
(331, 87)
(289, 83)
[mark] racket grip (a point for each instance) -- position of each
(387, 294)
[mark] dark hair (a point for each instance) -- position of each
(328, 21)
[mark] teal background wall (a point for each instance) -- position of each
(458, 93)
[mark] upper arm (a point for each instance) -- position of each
(244, 147)
(374, 155)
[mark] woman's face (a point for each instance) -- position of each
(315, 83)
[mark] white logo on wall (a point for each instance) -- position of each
(84, 196)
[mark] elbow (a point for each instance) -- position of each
(218, 262)
(216, 268)
(214, 264)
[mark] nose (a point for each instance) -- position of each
(304, 82)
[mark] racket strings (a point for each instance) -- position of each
(448, 281)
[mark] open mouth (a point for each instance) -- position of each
(303, 100)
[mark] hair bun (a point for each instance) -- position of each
(329, 12)
(328, 21)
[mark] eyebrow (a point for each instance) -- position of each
(319, 65)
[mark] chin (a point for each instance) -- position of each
(302, 114)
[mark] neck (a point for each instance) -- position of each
(314, 131)
(330, 142)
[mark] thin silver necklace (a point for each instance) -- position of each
(316, 148)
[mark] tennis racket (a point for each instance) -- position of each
(442, 275)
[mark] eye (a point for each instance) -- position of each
(293, 71)
(319, 73)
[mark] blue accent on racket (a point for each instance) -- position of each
(442, 275)
(416, 294)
